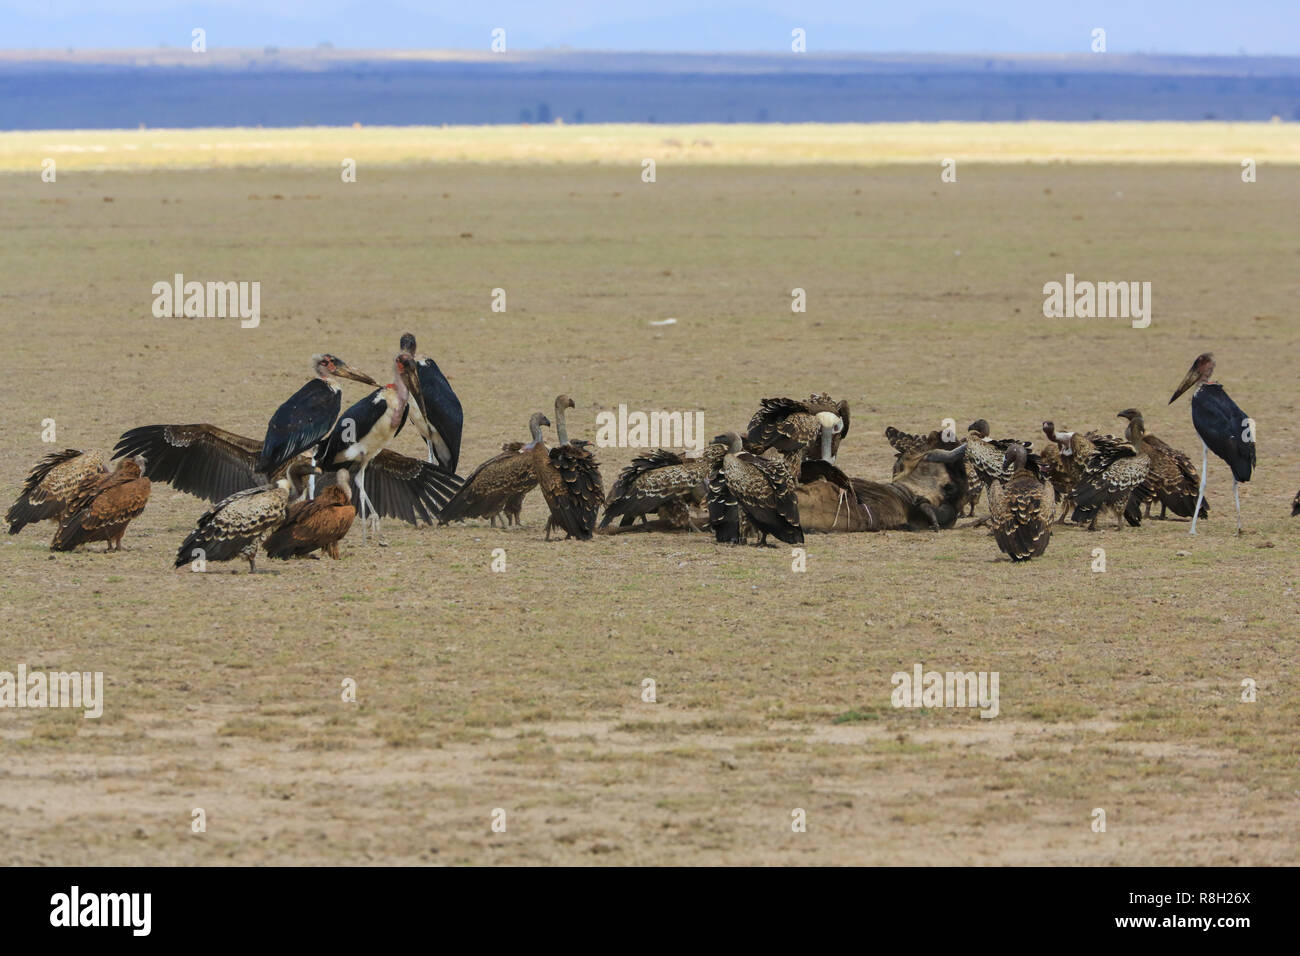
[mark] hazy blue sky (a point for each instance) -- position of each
(1013, 26)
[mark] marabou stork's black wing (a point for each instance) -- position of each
(352, 426)
(441, 409)
(1222, 426)
(299, 423)
(405, 488)
(201, 460)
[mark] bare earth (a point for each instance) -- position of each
(522, 690)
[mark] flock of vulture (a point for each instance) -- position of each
(299, 490)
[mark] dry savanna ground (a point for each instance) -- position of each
(522, 690)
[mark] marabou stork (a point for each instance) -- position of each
(1224, 429)
(308, 414)
(436, 410)
(212, 463)
(363, 431)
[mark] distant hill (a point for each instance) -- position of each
(172, 87)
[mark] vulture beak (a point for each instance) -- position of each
(344, 370)
(1190, 379)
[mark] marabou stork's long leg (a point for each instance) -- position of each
(362, 501)
(311, 481)
(1236, 495)
(1200, 495)
(368, 511)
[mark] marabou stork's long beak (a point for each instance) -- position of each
(411, 379)
(1190, 379)
(344, 370)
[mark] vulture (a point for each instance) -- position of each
(318, 524)
(497, 487)
(798, 429)
(308, 414)
(760, 489)
(662, 481)
(103, 506)
(1172, 480)
(235, 526)
(569, 476)
(436, 412)
(1111, 474)
(1295, 505)
(1061, 461)
(51, 485)
(213, 464)
(1022, 515)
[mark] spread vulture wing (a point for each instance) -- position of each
(299, 423)
(442, 411)
(769, 428)
(903, 442)
(406, 488)
(490, 485)
(652, 480)
(51, 484)
(201, 460)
